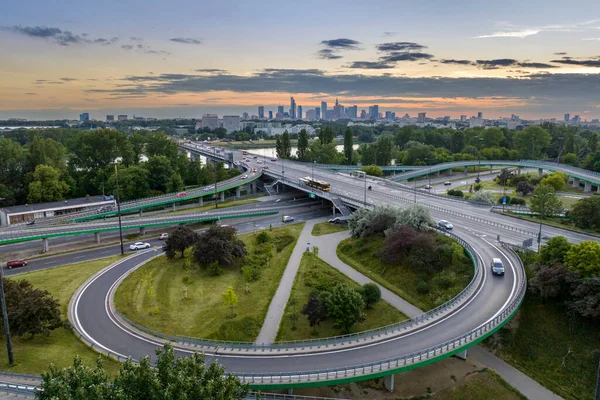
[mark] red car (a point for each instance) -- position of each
(181, 194)
(16, 263)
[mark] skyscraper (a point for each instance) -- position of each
(299, 114)
(261, 112)
(567, 117)
(421, 117)
(84, 117)
(270, 114)
(323, 110)
(245, 116)
(374, 112)
(292, 108)
(480, 115)
(317, 113)
(352, 111)
(280, 110)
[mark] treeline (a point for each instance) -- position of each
(55, 164)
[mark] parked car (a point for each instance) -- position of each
(445, 224)
(181, 194)
(255, 157)
(447, 183)
(111, 197)
(497, 266)
(287, 218)
(163, 236)
(139, 246)
(32, 222)
(16, 263)
(266, 167)
(274, 159)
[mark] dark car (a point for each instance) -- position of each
(32, 222)
(16, 263)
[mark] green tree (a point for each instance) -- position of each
(584, 258)
(179, 241)
(544, 201)
(492, 137)
(175, 184)
(372, 170)
(171, 378)
(302, 145)
(47, 152)
(586, 213)
(570, 159)
(160, 173)
(326, 135)
(348, 143)
(531, 141)
(371, 294)
(556, 179)
(159, 144)
(554, 251)
(286, 145)
(279, 149)
(12, 172)
(94, 150)
(230, 299)
(46, 185)
(384, 150)
(137, 147)
(345, 306)
(314, 310)
(221, 245)
(133, 183)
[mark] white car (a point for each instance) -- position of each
(139, 246)
(445, 224)
(287, 218)
(244, 176)
(427, 187)
(447, 183)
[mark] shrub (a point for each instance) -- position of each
(371, 294)
(238, 330)
(477, 187)
(456, 193)
(281, 242)
(483, 196)
(518, 202)
(262, 237)
(442, 282)
(422, 287)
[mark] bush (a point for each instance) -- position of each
(281, 242)
(456, 193)
(483, 196)
(262, 237)
(442, 282)
(238, 330)
(422, 287)
(371, 294)
(517, 202)
(507, 199)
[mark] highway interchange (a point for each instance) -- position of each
(93, 318)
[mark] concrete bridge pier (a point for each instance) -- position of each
(222, 196)
(598, 188)
(462, 355)
(173, 206)
(97, 237)
(575, 182)
(253, 187)
(141, 213)
(388, 382)
(238, 192)
(449, 172)
(46, 244)
(142, 231)
(540, 172)
(466, 170)
(200, 201)
(588, 187)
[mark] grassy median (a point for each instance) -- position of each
(33, 356)
(203, 314)
(381, 314)
(325, 228)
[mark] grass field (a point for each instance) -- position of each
(543, 338)
(483, 385)
(325, 228)
(32, 356)
(203, 314)
(381, 314)
(211, 206)
(362, 255)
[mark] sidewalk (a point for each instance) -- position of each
(270, 326)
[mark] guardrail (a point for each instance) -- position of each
(340, 340)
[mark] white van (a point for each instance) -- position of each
(497, 266)
(287, 218)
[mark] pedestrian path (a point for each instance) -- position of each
(270, 326)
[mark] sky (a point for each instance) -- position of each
(184, 58)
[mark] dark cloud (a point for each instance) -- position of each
(57, 35)
(389, 34)
(400, 46)
(31, 94)
(144, 49)
(186, 40)
(47, 82)
(562, 53)
(396, 56)
(370, 65)
(535, 65)
(68, 79)
(495, 64)
(342, 44)
(328, 54)
(592, 62)
(460, 62)
(212, 71)
(127, 47)
(136, 39)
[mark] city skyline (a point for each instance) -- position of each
(539, 63)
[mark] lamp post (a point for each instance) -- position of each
(365, 188)
(11, 359)
(560, 151)
(542, 212)
(215, 168)
(119, 210)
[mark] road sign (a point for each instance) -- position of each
(312, 196)
(504, 200)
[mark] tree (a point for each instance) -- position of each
(348, 143)
(483, 196)
(13, 172)
(279, 146)
(31, 311)
(171, 378)
(314, 310)
(371, 294)
(586, 296)
(160, 172)
(179, 240)
(47, 152)
(384, 150)
(586, 213)
(570, 159)
(417, 217)
(286, 145)
(554, 251)
(94, 150)
(219, 245)
(159, 144)
(556, 180)
(302, 145)
(293, 302)
(584, 258)
(492, 137)
(230, 299)
(133, 183)
(326, 135)
(531, 141)
(46, 185)
(345, 306)
(372, 170)
(175, 184)
(398, 242)
(544, 201)
(553, 281)
(137, 147)
(524, 188)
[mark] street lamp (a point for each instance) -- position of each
(542, 211)
(480, 139)
(119, 210)
(11, 359)
(365, 188)
(215, 168)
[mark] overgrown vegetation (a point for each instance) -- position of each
(325, 228)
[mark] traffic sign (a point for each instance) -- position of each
(312, 196)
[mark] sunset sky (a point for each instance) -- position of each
(535, 58)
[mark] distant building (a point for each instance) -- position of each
(352, 112)
(231, 123)
(110, 118)
(463, 118)
(311, 115)
(280, 110)
(363, 114)
(317, 113)
(421, 117)
(480, 115)
(292, 108)
(261, 112)
(210, 121)
(567, 117)
(270, 114)
(324, 110)
(374, 112)
(390, 115)
(245, 116)
(122, 117)
(84, 116)
(299, 113)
